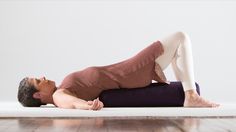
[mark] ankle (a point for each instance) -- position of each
(191, 93)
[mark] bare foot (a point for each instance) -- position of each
(194, 100)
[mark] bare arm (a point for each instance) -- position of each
(64, 99)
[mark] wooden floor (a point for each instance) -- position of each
(147, 124)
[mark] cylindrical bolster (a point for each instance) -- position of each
(153, 95)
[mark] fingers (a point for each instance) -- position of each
(167, 82)
(100, 104)
(96, 104)
(90, 102)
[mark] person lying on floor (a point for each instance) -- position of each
(81, 89)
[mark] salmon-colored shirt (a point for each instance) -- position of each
(137, 71)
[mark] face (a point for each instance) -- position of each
(45, 87)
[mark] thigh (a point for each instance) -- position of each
(170, 45)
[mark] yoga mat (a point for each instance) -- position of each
(14, 109)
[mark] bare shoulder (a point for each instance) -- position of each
(62, 98)
(61, 91)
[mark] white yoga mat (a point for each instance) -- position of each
(14, 109)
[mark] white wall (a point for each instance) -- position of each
(54, 38)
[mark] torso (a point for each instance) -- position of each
(135, 72)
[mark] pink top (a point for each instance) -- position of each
(138, 71)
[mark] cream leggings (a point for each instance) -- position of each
(178, 52)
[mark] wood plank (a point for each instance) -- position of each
(118, 124)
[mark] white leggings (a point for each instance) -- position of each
(178, 52)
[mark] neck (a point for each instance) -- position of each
(50, 99)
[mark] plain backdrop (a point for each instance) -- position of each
(54, 38)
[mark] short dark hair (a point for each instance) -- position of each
(25, 94)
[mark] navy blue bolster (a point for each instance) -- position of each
(153, 95)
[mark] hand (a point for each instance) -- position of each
(167, 82)
(96, 104)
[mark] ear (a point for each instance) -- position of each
(37, 95)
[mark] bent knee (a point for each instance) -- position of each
(174, 40)
(181, 35)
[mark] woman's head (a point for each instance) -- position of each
(35, 92)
